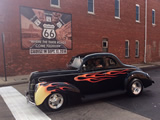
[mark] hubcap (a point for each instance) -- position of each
(55, 101)
(136, 87)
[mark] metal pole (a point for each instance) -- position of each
(145, 46)
(4, 58)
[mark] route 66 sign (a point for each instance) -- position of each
(49, 33)
(44, 27)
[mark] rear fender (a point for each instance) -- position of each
(44, 89)
(144, 77)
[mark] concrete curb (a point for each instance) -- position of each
(13, 83)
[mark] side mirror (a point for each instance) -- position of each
(67, 65)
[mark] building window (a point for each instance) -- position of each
(117, 8)
(127, 48)
(153, 16)
(137, 49)
(137, 13)
(105, 45)
(55, 3)
(91, 6)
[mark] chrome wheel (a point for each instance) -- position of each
(136, 87)
(55, 101)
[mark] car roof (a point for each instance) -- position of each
(86, 56)
(93, 54)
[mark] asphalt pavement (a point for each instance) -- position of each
(148, 104)
(91, 110)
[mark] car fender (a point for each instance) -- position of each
(44, 89)
(144, 77)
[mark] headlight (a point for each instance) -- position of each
(36, 87)
(148, 76)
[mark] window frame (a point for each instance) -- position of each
(127, 56)
(137, 5)
(52, 5)
(117, 17)
(154, 17)
(137, 48)
(91, 12)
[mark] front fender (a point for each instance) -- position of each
(44, 89)
(144, 77)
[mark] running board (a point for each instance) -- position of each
(102, 95)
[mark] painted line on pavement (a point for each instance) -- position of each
(18, 106)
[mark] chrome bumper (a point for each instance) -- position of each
(28, 99)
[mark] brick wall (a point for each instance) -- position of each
(88, 31)
(153, 31)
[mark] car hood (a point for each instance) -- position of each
(38, 74)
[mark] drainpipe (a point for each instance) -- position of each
(145, 47)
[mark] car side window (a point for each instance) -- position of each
(109, 63)
(94, 64)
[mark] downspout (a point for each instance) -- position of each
(145, 46)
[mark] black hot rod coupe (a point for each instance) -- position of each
(85, 74)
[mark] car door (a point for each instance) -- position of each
(101, 74)
(88, 79)
(112, 76)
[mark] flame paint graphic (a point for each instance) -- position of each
(55, 87)
(100, 76)
(45, 89)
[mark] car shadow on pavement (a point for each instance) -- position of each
(120, 100)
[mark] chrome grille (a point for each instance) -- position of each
(32, 84)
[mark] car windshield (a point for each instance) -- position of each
(75, 62)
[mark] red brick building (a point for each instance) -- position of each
(129, 29)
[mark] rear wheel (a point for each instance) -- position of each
(55, 101)
(135, 87)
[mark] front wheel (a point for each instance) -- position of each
(135, 87)
(55, 101)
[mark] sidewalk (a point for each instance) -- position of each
(13, 80)
(148, 65)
